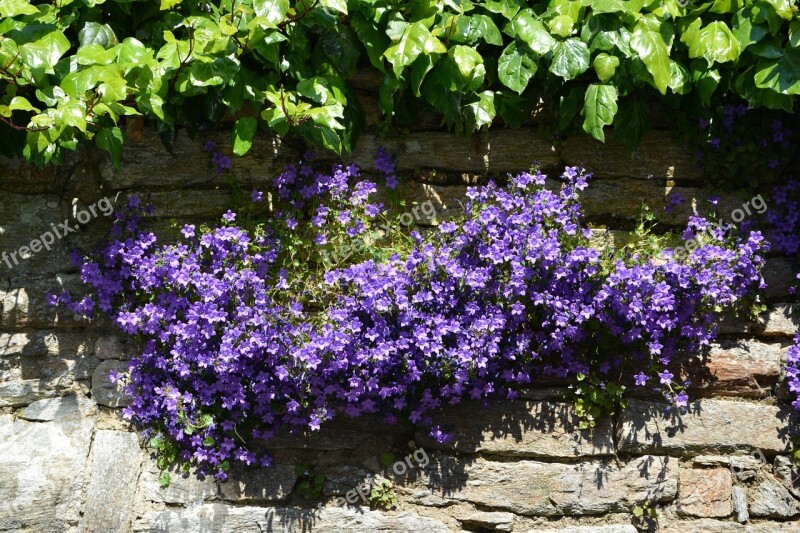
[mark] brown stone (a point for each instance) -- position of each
(735, 368)
(658, 156)
(705, 492)
(710, 426)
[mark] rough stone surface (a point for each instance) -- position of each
(271, 484)
(42, 470)
(521, 429)
(709, 426)
(103, 391)
(114, 468)
(112, 347)
(705, 492)
(490, 521)
(741, 368)
(771, 499)
(56, 408)
(781, 319)
(617, 528)
(718, 526)
(18, 393)
(553, 489)
(657, 157)
(739, 501)
(212, 518)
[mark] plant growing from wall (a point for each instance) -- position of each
(73, 71)
(244, 332)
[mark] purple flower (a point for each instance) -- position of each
(665, 377)
(641, 379)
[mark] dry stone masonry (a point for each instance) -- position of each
(70, 463)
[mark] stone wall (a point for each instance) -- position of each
(70, 463)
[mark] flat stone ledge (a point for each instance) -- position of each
(710, 426)
(252, 484)
(219, 517)
(532, 488)
(520, 429)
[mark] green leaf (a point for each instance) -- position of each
(110, 140)
(469, 63)
(13, 8)
(508, 8)
(415, 40)
(727, 6)
(20, 103)
(46, 51)
(746, 32)
(482, 112)
(335, 5)
(94, 33)
(631, 123)
(169, 4)
(652, 50)
(209, 441)
(163, 480)
(471, 29)
(569, 106)
(570, 59)
(781, 75)
(606, 6)
(243, 132)
(716, 43)
(114, 90)
(533, 32)
(561, 25)
(706, 82)
(274, 11)
(516, 67)
(605, 66)
(599, 108)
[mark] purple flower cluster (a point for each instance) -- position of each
(221, 161)
(506, 295)
(782, 221)
(737, 141)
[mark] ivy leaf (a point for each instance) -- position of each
(716, 43)
(94, 33)
(631, 123)
(335, 5)
(272, 10)
(516, 67)
(599, 108)
(606, 6)
(243, 132)
(533, 32)
(652, 50)
(110, 140)
(605, 66)
(13, 8)
(781, 75)
(470, 65)
(570, 58)
(706, 82)
(470, 29)
(415, 40)
(508, 8)
(482, 112)
(46, 51)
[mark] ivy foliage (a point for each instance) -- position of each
(72, 70)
